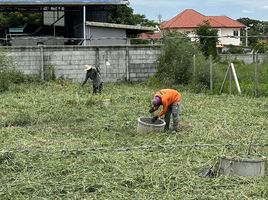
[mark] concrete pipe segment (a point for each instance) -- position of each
(242, 166)
(145, 125)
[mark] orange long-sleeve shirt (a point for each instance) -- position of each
(168, 97)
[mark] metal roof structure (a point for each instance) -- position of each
(120, 26)
(60, 2)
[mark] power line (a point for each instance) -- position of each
(127, 149)
(125, 38)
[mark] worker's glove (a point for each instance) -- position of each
(154, 119)
(151, 110)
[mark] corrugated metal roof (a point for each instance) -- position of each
(120, 26)
(60, 2)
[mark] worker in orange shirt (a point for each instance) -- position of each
(170, 100)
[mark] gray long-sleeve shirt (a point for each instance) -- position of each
(95, 76)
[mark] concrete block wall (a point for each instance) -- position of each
(69, 62)
(133, 63)
(142, 62)
(113, 63)
(117, 63)
(26, 60)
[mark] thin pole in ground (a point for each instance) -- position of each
(257, 73)
(211, 73)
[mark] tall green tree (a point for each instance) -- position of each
(253, 31)
(255, 28)
(125, 15)
(208, 39)
(18, 19)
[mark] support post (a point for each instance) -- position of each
(225, 78)
(127, 63)
(194, 66)
(247, 36)
(236, 79)
(42, 62)
(84, 26)
(231, 72)
(257, 74)
(230, 82)
(211, 73)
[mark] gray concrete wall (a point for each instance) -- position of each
(142, 62)
(106, 36)
(32, 41)
(51, 16)
(133, 63)
(247, 58)
(116, 63)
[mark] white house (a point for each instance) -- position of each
(188, 20)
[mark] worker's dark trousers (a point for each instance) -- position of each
(97, 89)
(174, 109)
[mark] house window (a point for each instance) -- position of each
(235, 33)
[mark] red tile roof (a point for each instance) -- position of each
(145, 36)
(190, 18)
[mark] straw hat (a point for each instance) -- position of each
(88, 67)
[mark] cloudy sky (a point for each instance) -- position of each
(254, 9)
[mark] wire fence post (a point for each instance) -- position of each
(230, 75)
(230, 82)
(194, 66)
(253, 57)
(211, 73)
(257, 73)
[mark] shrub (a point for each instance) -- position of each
(50, 74)
(261, 47)
(9, 75)
(4, 80)
(235, 50)
(175, 63)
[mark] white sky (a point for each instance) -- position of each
(254, 9)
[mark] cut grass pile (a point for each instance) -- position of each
(59, 142)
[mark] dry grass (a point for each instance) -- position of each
(58, 142)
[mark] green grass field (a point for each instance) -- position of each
(58, 142)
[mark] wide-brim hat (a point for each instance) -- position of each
(88, 67)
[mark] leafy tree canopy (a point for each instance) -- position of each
(256, 25)
(125, 15)
(256, 28)
(119, 14)
(19, 19)
(208, 39)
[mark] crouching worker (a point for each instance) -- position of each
(94, 74)
(170, 100)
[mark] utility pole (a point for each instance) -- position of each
(247, 28)
(159, 18)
